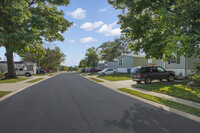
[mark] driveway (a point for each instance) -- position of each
(69, 103)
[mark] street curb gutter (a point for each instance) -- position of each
(16, 91)
(178, 112)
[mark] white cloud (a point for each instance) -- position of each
(90, 26)
(103, 9)
(87, 40)
(79, 13)
(108, 30)
(71, 41)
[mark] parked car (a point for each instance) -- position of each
(83, 70)
(41, 71)
(92, 70)
(107, 71)
(20, 72)
(87, 70)
(147, 74)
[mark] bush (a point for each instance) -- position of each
(196, 70)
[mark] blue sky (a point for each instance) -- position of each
(94, 23)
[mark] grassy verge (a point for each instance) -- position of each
(11, 80)
(92, 74)
(172, 104)
(117, 77)
(97, 80)
(35, 80)
(176, 90)
(3, 93)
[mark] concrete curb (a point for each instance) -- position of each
(16, 91)
(178, 112)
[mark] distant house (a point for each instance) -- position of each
(28, 66)
(182, 66)
(101, 65)
(128, 61)
(111, 64)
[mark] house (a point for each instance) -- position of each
(128, 61)
(28, 66)
(111, 64)
(101, 65)
(182, 66)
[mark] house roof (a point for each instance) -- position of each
(132, 55)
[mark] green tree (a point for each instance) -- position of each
(83, 63)
(64, 68)
(161, 27)
(24, 22)
(112, 50)
(52, 59)
(33, 53)
(92, 57)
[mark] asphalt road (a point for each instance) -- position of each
(69, 103)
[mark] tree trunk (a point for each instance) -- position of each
(10, 63)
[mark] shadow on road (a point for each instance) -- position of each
(149, 120)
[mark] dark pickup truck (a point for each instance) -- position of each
(149, 73)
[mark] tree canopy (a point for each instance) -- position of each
(25, 22)
(91, 57)
(113, 49)
(161, 27)
(52, 58)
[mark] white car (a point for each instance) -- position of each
(21, 71)
(107, 71)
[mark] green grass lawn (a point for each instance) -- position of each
(117, 77)
(176, 90)
(11, 80)
(163, 101)
(3, 93)
(35, 80)
(92, 74)
(95, 79)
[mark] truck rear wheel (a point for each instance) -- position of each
(148, 80)
(27, 74)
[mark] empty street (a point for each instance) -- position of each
(69, 103)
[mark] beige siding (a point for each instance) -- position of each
(139, 61)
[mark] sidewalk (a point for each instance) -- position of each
(129, 84)
(21, 84)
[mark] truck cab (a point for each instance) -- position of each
(21, 72)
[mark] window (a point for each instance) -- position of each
(120, 62)
(160, 69)
(154, 69)
(144, 69)
(20, 69)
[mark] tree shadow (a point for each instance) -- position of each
(149, 120)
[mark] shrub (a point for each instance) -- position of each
(196, 70)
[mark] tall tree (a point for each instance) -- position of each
(161, 27)
(111, 50)
(24, 22)
(52, 59)
(83, 63)
(92, 57)
(33, 53)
